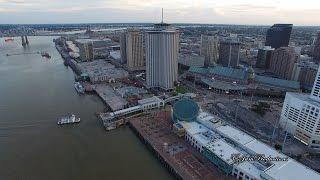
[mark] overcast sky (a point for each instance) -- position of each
(297, 12)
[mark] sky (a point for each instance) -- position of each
(253, 12)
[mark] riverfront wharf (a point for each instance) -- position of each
(182, 160)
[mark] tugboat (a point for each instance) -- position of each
(68, 120)
(78, 86)
(45, 54)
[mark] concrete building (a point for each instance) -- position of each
(278, 35)
(101, 71)
(85, 49)
(229, 52)
(225, 146)
(300, 115)
(91, 49)
(134, 50)
(209, 49)
(305, 72)
(316, 49)
(283, 61)
(123, 48)
(264, 57)
(162, 49)
(191, 60)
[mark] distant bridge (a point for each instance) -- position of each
(17, 54)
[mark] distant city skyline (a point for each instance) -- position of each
(251, 12)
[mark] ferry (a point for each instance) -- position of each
(78, 86)
(68, 120)
(45, 54)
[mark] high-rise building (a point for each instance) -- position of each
(305, 72)
(162, 49)
(209, 49)
(229, 52)
(264, 57)
(283, 62)
(316, 49)
(278, 35)
(85, 49)
(300, 115)
(123, 48)
(134, 50)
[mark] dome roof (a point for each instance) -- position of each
(185, 110)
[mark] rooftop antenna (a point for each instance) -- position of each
(162, 17)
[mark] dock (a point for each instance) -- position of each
(182, 160)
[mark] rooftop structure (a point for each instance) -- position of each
(129, 90)
(102, 71)
(185, 110)
(276, 82)
(114, 101)
(229, 142)
(223, 78)
(115, 55)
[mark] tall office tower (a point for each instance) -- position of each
(316, 49)
(162, 49)
(134, 50)
(123, 48)
(209, 49)
(283, 62)
(300, 115)
(229, 52)
(278, 35)
(264, 57)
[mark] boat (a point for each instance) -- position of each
(68, 120)
(78, 86)
(45, 54)
(9, 39)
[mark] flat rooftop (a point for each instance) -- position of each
(303, 97)
(150, 100)
(285, 169)
(223, 149)
(235, 134)
(101, 68)
(109, 96)
(194, 127)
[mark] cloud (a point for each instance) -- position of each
(184, 11)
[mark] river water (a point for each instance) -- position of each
(34, 92)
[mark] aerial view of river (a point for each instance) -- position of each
(34, 92)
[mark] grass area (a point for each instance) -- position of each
(181, 89)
